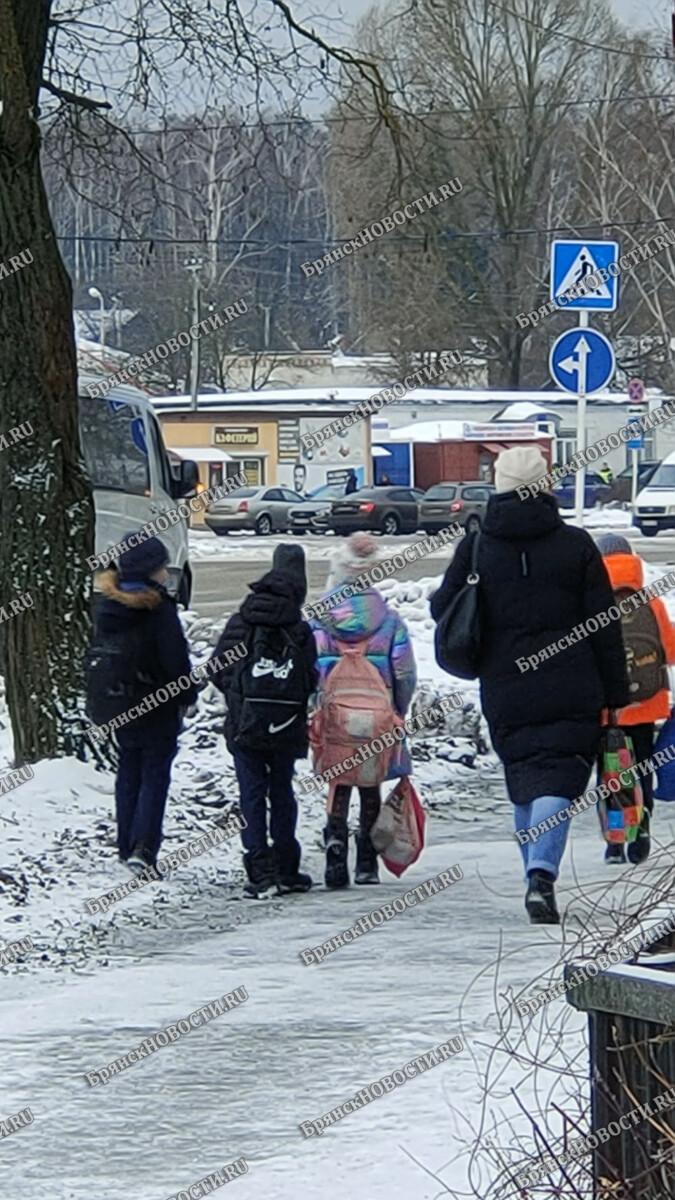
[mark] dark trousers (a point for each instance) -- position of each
(262, 777)
(370, 805)
(141, 788)
(643, 746)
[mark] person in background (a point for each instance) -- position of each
(366, 619)
(606, 474)
(137, 607)
(352, 484)
(385, 481)
(538, 579)
(649, 640)
(261, 737)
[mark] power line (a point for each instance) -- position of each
(283, 243)
(570, 37)
(446, 112)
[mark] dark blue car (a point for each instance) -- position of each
(595, 491)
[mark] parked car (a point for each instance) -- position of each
(654, 507)
(312, 516)
(622, 484)
(131, 476)
(389, 510)
(596, 491)
(264, 509)
(464, 503)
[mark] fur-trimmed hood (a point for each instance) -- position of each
(146, 597)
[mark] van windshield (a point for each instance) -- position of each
(663, 477)
(114, 445)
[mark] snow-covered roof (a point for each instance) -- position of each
(428, 431)
(349, 396)
(522, 410)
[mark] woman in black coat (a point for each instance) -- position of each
(539, 578)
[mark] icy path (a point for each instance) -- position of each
(306, 1040)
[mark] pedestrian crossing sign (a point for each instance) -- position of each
(574, 261)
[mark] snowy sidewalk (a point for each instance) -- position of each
(307, 1039)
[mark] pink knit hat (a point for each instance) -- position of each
(358, 554)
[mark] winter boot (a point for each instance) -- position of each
(335, 841)
(259, 867)
(540, 899)
(139, 859)
(614, 855)
(366, 860)
(638, 850)
(288, 877)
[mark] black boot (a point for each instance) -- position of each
(335, 841)
(288, 877)
(615, 855)
(366, 860)
(638, 850)
(259, 867)
(540, 899)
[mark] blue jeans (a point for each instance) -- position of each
(261, 776)
(544, 854)
(141, 788)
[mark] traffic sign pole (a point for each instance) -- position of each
(580, 479)
(634, 486)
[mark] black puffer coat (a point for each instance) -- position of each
(164, 657)
(538, 579)
(275, 601)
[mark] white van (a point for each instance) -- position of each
(130, 474)
(654, 507)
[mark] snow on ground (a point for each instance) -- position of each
(249, 547)
(308, 1038)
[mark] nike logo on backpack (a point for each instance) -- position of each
(276, 728)
(266, 666)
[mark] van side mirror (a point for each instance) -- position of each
(188, 478)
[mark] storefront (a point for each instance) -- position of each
(261, 433)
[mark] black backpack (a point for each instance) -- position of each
(645, 657)
(113, 679)
(267, 697)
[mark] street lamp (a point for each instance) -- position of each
(96, 295)
(194, 265)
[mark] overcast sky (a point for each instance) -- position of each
(636, 13)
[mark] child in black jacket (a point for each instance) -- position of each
(136, 603)
(264, 755)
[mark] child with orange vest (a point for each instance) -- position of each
(649, 639)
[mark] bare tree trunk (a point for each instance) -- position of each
(46, 519)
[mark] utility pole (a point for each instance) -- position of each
(194, 266)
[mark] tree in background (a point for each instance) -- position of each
(505, 99)
(89, 60)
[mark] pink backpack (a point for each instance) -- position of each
(354, 707)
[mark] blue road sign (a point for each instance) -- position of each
(582, 359)
(637, 442)
(572, 262)
(138, 434)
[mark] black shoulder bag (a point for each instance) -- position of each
(458, 633)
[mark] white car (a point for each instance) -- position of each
(654, 507)
(130, 474)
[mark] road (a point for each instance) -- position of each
(221, 584)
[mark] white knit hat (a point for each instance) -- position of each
(358, 554)
(519, 466)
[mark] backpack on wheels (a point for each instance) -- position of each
(267, 699)
(645, 657)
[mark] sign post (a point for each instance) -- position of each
(589, 362)
(636, 392)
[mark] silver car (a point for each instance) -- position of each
(264, 509)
